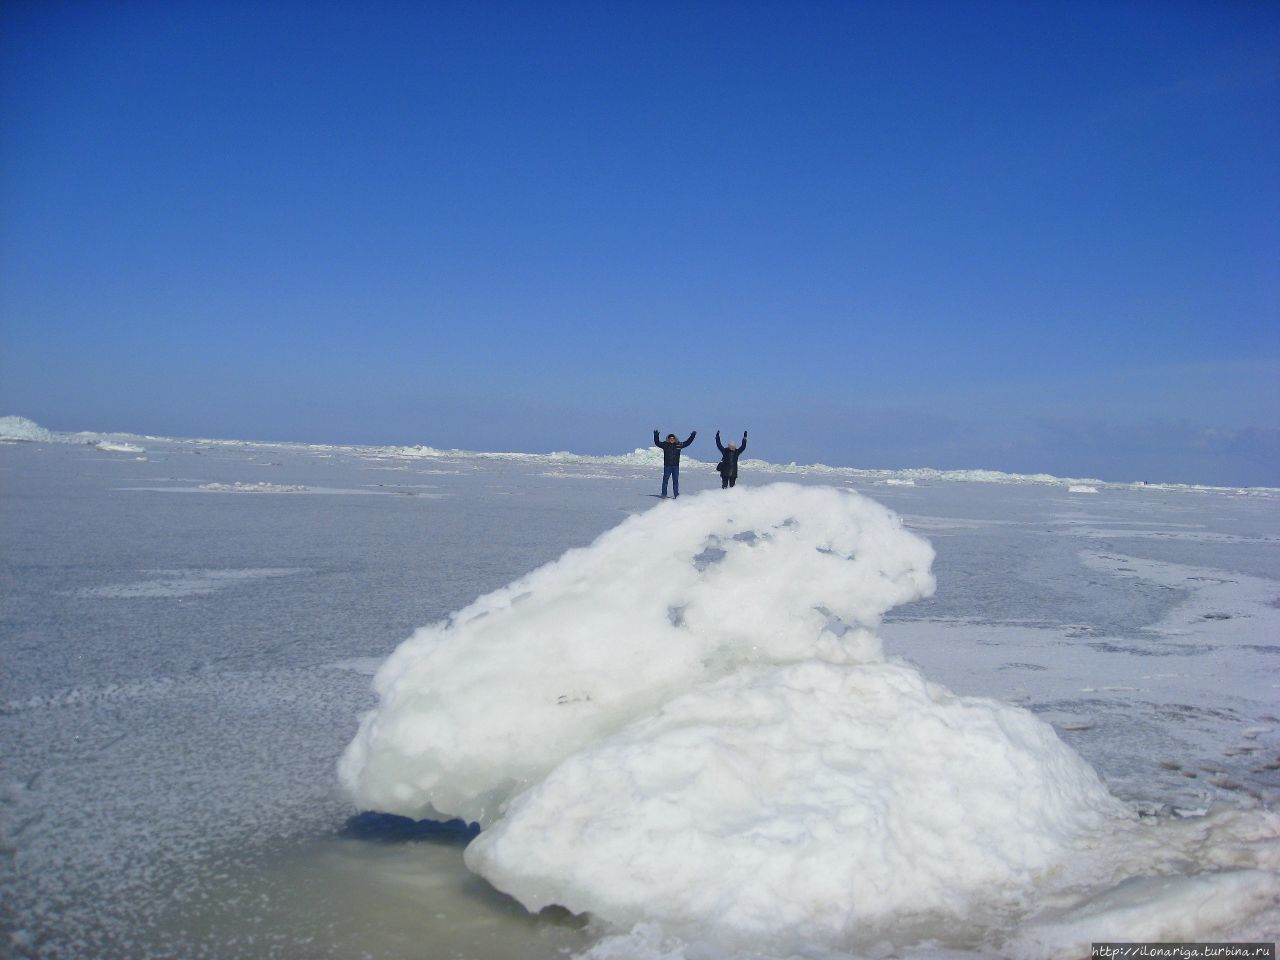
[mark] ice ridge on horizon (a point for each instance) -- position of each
(22, 429)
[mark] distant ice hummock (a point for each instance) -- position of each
(20, 428)
(691, 721)
(107, 446)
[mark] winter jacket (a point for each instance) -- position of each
(671, 451)
(728, 466)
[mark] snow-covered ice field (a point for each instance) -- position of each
(1075, 736)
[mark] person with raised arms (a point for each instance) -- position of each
(671, 448)
(728, 466)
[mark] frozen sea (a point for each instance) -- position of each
(188, 632)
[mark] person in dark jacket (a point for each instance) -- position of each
(728, 467)
(671, 448)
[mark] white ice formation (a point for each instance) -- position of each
(808, 800)
(692, 721)
(485, 704)
(20, 428)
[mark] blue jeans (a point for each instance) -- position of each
(672, 473)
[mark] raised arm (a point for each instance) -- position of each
(742, 446)
(718, 446)
(690, 440)
(656, 441)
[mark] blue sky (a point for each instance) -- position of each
(1024, 236)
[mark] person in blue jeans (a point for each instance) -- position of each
(671, 448)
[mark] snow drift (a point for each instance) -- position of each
(692, 721)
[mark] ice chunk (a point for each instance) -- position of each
(814, 798)
(479, 707)
(20, 428)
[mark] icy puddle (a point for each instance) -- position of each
(393, 890)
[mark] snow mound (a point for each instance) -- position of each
(1081, 488)
(814, 798)
(20, 428)
(481, 706)
(691, 722)
(107, 446)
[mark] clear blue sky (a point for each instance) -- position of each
(1026, 236)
